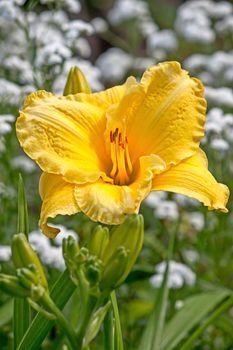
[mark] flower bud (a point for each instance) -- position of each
(99, 240)
(29, 279)
(128, 235)
(115, 269)
(23, 256)
(11, 285)
(76, 82)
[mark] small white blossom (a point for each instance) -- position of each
(127, 9)
(219, 96)
(99, 24)
(154, 199)
(24, 163)
(114, 64)
(178, 275)
(197, 220)
(190, 255)
(5, 253)
(167, 210)
(219, 145)
(163, 39)
(9, 92)
(179, 304)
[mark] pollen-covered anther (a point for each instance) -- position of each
(121, 163)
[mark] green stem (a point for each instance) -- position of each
(85, 318)
(223, 307)
(119, 339)
(67, 328)
(108, 332)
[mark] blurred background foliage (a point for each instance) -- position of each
(109, 40)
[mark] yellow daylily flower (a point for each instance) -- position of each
(103, 153)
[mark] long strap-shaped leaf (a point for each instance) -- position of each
(40, 327)
(194, 310)
(22, 314)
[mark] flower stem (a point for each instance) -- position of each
(119, 339)
(109, 331)
(85, 318)
(67, 328)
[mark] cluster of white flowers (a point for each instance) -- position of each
(6, 121)
(202, 21)
(178, 275)
(40, 47)
(219, 130)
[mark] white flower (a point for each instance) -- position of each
(9, 92)
(197, 220)
(154, 199)
(99, 24)
(167, 210)
(219, 145)
(163, 39)
(5, 128)
(24, 163)
(54, 48)
(114, 64)
(225, 26)
(185, 200)
(73, 6)
(219, 96)
(83, 47)
(127, 9)
(5, 253)
(179, 275)
(190, 255)
(76, 28)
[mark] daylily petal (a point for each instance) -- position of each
(105, 202)
(192, 178)
(165, 114)
(112, 95)
(63, 135)
(148, 167)
(58, 199)
(109, 203)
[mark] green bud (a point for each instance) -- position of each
(93, 268)
(95, 323)
(70, 250)
(23, 256)
(130, 236)
(76, 82)
(29, 279)
(115, 269)
(11, 285)
(98, 241)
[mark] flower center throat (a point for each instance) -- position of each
(121, 163)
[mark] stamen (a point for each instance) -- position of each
(122, 166)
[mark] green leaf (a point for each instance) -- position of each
(22, 314)
(118, 333)
(194, 310)
(40, 327)
(6, 312)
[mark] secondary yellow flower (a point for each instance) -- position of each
(103, 153)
